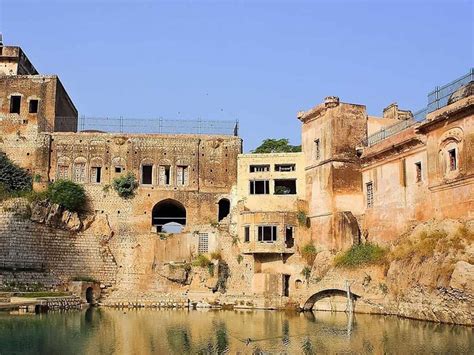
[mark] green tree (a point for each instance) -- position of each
(68, 194)
(276, 146)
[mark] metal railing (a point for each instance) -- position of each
(146, 126)
(389, 131)
(157, 125)
(437, 99)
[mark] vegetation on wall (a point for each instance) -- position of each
(306, 272)
(125, 185)
(13, 179)
(67, 194)
(276, 146)
(309, 252)
(362, 254)
(303, 219)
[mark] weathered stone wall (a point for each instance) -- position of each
(31, 252)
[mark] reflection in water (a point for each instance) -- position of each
(113, 331)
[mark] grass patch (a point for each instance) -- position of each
(41, 294)
(201, 261)
(363, 254)
(309, 252)
(84, 278)
(306, 272)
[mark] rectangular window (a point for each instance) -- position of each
(95, 174)
(285, 187)
(63, 172)
(147, 174)
(15, 104)
(289, 238)
(259, 168)
(259, 187)
(203, 244)
(182, 175)
(317, 149)
(370, 194)
(418, 171)
(284, 167)
(267, 234)
(165, 174)
(118, 169)
(80, 172)
(246, 234)
(33, 106)
(453, 164)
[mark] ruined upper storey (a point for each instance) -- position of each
(13, 61)
(30, 101)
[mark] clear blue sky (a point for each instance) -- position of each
(258, 62)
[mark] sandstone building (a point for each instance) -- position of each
(358, 178)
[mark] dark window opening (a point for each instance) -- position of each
(246, 234)
(167, 174)
(267, 234)
(96, 174)
(118, 169)
(453, 164)
(370, 194)
(259, 168)
(289, 238)
(147, 174)
(418, 172)
(259, 187)
(285, 167)
(285, 187)
(169, 216)
(89, 295)
(15, 104)
(317, 149)
(224, 209)
(286, 285)
(33, 106)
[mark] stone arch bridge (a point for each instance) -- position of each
(325, 289)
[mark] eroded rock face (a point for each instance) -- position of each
(178, 274)
(55, 216)
(463, 277)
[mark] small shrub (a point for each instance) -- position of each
(216, 255)
(68, 194)
(306, 272)
(240, 258)
(362, 254)
(125, 185)
(37, 178)
(383, 287)
(235, 240)
(302, 218)
(201, 261)
(210, 269)
(309, 252)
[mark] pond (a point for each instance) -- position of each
(155, 331)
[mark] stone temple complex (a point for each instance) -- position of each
(358, 179)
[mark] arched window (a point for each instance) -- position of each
(79, 170)
(224, 209)
(63, 168)
(169, 216)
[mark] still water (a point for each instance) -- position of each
(148, 331)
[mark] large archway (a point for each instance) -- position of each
(308, 306)
(169, 216)
(224, 209)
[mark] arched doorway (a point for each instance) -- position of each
(169, 216)
(224, 208)
(89, 295)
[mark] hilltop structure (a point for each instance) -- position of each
(358, 178)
